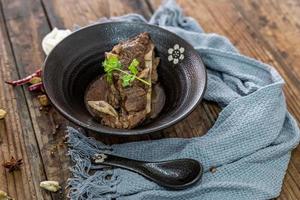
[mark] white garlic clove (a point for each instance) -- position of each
(52, 186)
(53, 38)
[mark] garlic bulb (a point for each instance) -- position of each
(53, 38)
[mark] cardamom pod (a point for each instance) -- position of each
(2, 113)
(52, 186)
(4, 196)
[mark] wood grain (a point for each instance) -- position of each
(66, 14)
(16, 131)
(266, 30)
(26, 25)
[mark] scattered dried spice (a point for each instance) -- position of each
(36, 87)
(25, 80)
(52, 186)
(2, 113)
(4, 196)
(13, 164)
(35, 80)
(43, 99)
(213, 169)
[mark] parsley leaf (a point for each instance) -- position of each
(127, 79)
(133, 66)
(112, 63)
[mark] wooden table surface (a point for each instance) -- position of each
(268, 30)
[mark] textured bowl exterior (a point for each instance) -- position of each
(75, 62)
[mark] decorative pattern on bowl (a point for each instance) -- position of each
(175, 54)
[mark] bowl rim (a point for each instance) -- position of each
(127, 132)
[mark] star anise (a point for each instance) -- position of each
(13, 164)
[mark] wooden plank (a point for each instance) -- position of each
(66, 14)
(26, 25)
(265, 30)
(16, 132)
(278, 23)
(277, 26)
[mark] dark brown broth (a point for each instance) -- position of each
(96, 91)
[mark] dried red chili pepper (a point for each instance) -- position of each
(26, 79)
(36, 87)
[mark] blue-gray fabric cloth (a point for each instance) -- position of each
(249, 144)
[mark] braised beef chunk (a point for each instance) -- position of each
(134, 99)
(128, 106)
(135, 48)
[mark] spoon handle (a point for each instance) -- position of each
(116, 161)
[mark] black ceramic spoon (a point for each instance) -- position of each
(173, 174)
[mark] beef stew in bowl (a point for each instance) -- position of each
(74, 66)
(127, 87)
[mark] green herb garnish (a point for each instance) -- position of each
(127, 79)
(133, 66)
(112, 63)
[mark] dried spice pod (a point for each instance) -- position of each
(25, 80)
(4, 196)
(52, 186)
(35, 80)
(43, 99)
(13, 164)
(2, 113)
(36, 87)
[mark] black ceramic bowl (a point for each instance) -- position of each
(76, 61)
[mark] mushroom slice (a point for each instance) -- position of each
(102, 107)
